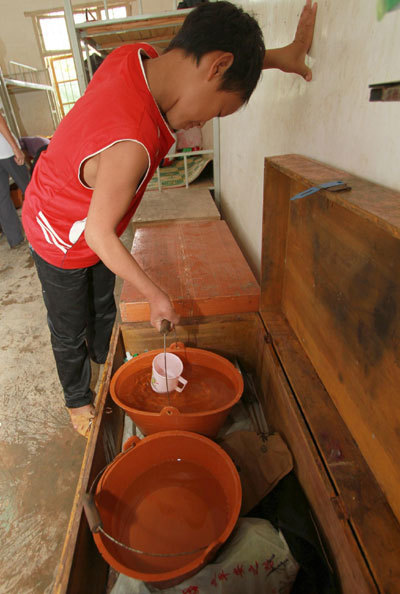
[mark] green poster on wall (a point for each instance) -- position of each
(384, 6)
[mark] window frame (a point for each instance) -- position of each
(48, 56)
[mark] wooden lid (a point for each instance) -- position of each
(331, 287)
(198, 264)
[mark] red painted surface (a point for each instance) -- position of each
(198, 264)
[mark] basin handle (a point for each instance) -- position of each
(131, 441)
(170, 410)
(177, 346)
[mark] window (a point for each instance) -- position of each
(54, 33)
(66, 83)
(55, 46)
(118, 12)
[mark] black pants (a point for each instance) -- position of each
(80, 313)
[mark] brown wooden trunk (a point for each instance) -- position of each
(324, 350)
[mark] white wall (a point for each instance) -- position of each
(329, 119)
(18, 42)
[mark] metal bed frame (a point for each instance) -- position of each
(156, 28)
(24, 78)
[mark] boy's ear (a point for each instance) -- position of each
(220, 65)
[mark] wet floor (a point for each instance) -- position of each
(39, 451)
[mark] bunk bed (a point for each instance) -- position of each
(23, 78)
(156, 29)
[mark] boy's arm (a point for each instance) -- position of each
(291, 57)
(119, 172)
(5, 131)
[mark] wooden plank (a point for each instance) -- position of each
(227, 335)
(157, 41)
(283, 415)
(341, 296)
(376, 203)
(275, 221)
(175, 206)
(81, 568)
(148, 36)
(199, 265)
(145, 24)
(360, 498)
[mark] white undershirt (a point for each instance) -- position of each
(5, 148)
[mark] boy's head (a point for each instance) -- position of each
(224, 27)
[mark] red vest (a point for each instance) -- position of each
(117, 105)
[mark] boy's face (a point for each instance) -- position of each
(200, 98)
(196, 108)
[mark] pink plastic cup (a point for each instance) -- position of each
(174, 370)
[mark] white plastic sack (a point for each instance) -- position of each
(256, 560)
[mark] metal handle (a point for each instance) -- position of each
(92, 513)
(332, 186)
(89, 505)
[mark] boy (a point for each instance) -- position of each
(88, 184)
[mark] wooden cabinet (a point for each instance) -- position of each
(324, 349)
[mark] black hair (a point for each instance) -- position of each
(225, 27)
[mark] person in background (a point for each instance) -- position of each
(12, 164)
(88, 183)
(36, 157)
(33, 146)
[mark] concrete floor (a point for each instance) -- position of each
(40, 452)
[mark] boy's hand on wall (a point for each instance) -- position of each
(291, 58)
(303, 39)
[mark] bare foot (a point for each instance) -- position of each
(82, 418)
